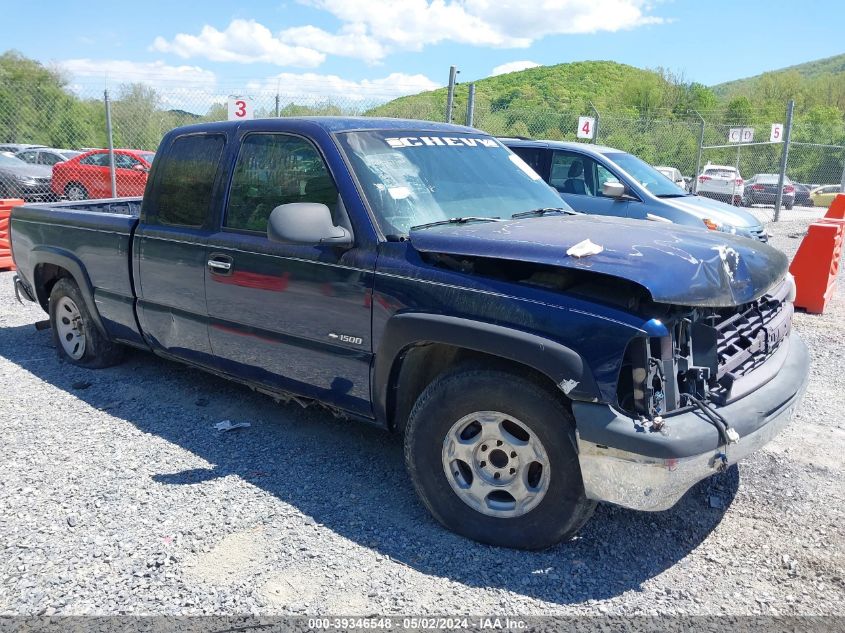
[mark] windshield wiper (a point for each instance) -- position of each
(544, 211)
(673, 195)
(464, 220)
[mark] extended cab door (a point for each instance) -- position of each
(294, 317)
(170, 246)
(579, 179)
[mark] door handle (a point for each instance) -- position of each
(220, 264)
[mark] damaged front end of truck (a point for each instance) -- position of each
(715, 370)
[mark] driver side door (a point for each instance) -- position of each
(294, 317)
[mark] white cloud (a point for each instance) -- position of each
(512, 67)
(244, 41)
(155, 73)
(372, 28)
(309, 88)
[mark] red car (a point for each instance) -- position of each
(87, 175)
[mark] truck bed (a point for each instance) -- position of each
(95, 237)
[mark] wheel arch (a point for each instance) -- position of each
(50, 265)
(415, 348)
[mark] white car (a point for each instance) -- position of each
(674, 174)
(721, 182)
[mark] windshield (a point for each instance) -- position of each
(423, 177)
(646, 175)
(10, 161)
(147, 156)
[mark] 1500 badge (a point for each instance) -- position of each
(345, 338)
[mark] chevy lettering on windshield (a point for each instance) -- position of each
(453, 141)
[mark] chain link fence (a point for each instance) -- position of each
(75, 163)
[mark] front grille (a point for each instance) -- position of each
(748, 338)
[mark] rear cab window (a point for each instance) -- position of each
(185, 180)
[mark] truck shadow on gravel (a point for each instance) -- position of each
(351, 478)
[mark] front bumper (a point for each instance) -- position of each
(645, 470)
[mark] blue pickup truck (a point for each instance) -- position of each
(422, 277)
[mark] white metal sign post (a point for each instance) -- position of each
(240, 108)
(586, 127)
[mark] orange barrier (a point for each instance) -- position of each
(6, 205)
(816, 264)
(836, 210)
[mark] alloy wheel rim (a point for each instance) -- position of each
(69, 326)
(496, 464)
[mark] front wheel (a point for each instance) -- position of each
(498, 465)
(75, 334)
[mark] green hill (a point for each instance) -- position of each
(563, 86)
(819, 68)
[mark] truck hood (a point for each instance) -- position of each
(677, 265)
(702, 207)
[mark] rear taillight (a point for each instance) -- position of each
(758, 188)
(789, 189)
(739, 181)
(703, 178)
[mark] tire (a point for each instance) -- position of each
(75, 334)
(75, 191)
(556, 506)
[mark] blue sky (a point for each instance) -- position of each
(376, 49)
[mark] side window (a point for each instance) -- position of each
(125, 161)
(274, 169)
(183, 190)
(602, 176)
(96, 160)
(572, 173)
(46, 158)
(29, 157)
(533, 156)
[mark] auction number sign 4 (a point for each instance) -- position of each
(586, 127)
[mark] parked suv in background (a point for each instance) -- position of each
(763, 189)
(721, 182)
(580, 172)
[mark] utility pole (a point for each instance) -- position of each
(450, 98)
(111, 144)
(596, 126)
(784, 157)
(471, 105)
(700, 149)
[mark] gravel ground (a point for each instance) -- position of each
(117, 496)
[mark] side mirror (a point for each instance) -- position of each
(305, 223)
(612, 189)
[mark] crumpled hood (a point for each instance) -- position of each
(678, 265)
(702, 207)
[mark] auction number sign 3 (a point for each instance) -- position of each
(240, 108)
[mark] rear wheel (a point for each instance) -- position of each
(75, 191)
(498, 466)
(75, 334)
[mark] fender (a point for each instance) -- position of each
(561, 364)
(72, 264)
